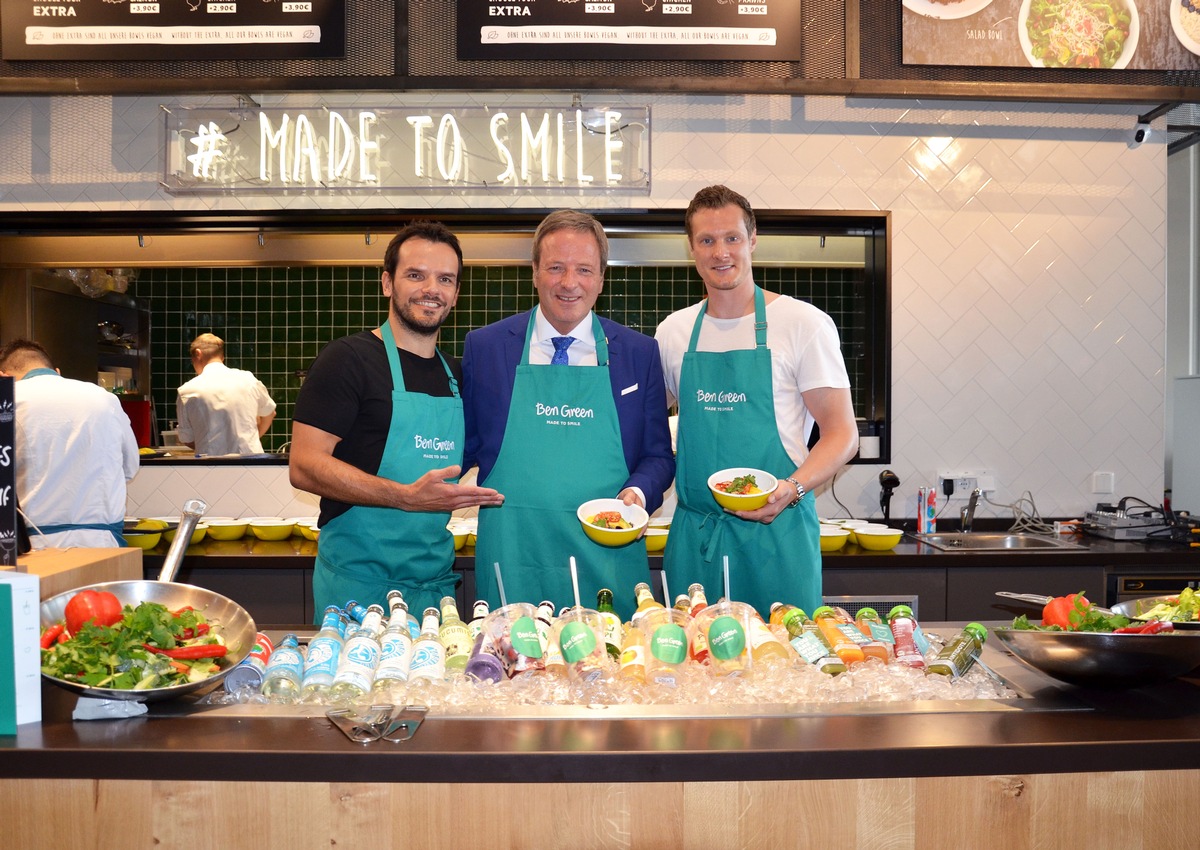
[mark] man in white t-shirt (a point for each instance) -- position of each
(752, 372)
(222, 411)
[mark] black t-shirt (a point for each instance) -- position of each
(348, 393)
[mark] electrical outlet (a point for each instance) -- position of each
(967, 480)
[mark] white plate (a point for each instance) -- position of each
(1177, 25)
(946, 11)
(1122, 60)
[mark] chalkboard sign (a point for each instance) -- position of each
(8, 475)
(178, 29)
(630, 29)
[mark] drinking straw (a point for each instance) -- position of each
(725, 558)
(500, 584)
(666, 593)
(575, 582)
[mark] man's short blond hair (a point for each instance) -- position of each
(207, 347)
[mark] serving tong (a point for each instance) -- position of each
(1038, 599)
(383, 721)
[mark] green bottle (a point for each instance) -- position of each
(959, 653)
(612, 623)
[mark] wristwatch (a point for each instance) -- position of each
(799, 491)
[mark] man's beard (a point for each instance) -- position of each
(404, 313)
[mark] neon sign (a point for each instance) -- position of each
(466, 149)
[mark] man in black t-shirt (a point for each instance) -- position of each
(378, 435)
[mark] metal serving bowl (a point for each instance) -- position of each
(1135, 609)
(1103, 659)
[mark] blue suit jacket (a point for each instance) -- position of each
(490, 360)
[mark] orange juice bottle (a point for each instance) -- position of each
(846, 647)
(806, 639)
(871, 646)
(870, 624)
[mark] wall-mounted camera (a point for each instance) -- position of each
(1141, 132)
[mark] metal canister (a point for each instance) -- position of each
(249, 672)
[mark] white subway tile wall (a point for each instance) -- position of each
(1029, 261)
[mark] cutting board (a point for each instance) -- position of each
(66, 569)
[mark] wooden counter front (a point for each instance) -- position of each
(61, 570)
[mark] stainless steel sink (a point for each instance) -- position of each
(994, 542)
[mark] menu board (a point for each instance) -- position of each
(178, 29)
(630, 29)
(8, 475)
(1161, 35)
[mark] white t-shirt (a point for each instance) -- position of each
(805, 354)
(75, 451)
(218, 410)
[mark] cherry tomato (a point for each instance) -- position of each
(98, 606)
(1058, 610)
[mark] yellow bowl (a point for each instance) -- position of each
(227, 529)
(656, 539)
(877, 540)
(153, 523)
(272, 529)
(736, 502)
(143, 541)
(460, 534)
(309, 529)
(833, 539)
(198, 533)
(634, 515)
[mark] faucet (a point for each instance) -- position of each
(967, 514)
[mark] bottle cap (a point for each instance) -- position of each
(824, 609)
(977, 630)
(867, 612)
(900, 611)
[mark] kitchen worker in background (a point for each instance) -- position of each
(779, 363)
(75, 450)
(222, 411)
(378, 435)
(551, 438)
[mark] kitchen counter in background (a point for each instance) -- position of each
(165, 457)
(273, 580)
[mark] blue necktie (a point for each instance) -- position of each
(561, 344)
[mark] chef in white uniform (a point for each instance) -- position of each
(75, 450)
(222, 411)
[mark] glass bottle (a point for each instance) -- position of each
(683, 603)
(552, 657)
(478, 612)
(429, 656)
(455, 636)
(545, 617)
(765, 646)
(414, 628)
(360, 657)
(954, 659)
(633, 655)
(612, 623)
(324, 651)
(355, 610)
(910, 643)
(699, 648)
(281, 682)
(645, 597)
(484, 664)
(396, 646)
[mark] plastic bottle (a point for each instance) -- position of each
(845, 646)
(455, 636)
(281, 682)
(633, 655)
(957, 656)
(910, 644)
(360, 657)
(645, 597)
(871, 647)
(396, 645)
(805, 638)
(612, 623)
(429, 655)
(484, 664)
(478, 612)
(324, 651)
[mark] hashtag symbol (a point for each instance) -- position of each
(209, 142)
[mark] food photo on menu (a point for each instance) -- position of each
(1069, 34)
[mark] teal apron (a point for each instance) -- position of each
(562, 447)
(367, 551)
(780, 562)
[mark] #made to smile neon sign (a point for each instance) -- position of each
(342, 150)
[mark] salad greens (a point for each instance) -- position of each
(1083, 617)
(1179, 609)
(128, 654)
(1078, 33)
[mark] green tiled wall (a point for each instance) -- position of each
(275, 320)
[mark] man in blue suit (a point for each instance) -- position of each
(551, 438)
